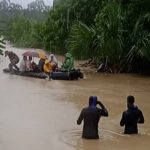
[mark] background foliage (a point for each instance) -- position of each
(114, 30)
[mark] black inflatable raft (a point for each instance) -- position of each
(74, 74)
(59, 75)
(40, 75)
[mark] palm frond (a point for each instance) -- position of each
(109, 28)
(141, 41)
(80, 39)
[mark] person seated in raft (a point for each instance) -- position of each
(47, 67)
(53, 61)
(29, 64)
(68, 64)
(32, 66)
(35, 67)
(41, 64)
(23, 64)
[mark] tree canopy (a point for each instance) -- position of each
(113, 30)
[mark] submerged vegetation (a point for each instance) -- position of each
(112, 31)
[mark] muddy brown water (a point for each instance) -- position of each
(37, 114)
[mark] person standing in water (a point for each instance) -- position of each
(91, 116)
(131, 117)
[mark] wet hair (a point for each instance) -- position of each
(130, 99)
(92, 100)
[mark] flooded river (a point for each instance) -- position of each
(37, 114)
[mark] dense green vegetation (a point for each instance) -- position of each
(21, 26)
(114, 30)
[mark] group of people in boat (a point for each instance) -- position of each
(45, 64)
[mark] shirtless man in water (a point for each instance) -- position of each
(131, 117)
(91, 116)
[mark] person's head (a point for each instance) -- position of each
(52, 56)
(24, 57)
(30, 58)
(68, 55)
(92, 100)
(6, 53)
(130, 101)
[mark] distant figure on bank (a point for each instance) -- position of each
(91, 116)
(68, 64)
(131, 117)
(14, 59)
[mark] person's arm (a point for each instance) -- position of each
(141, 117)
(104, 110)
(122, 121)
(81, 116)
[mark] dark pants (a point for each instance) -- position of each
(13, 64)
